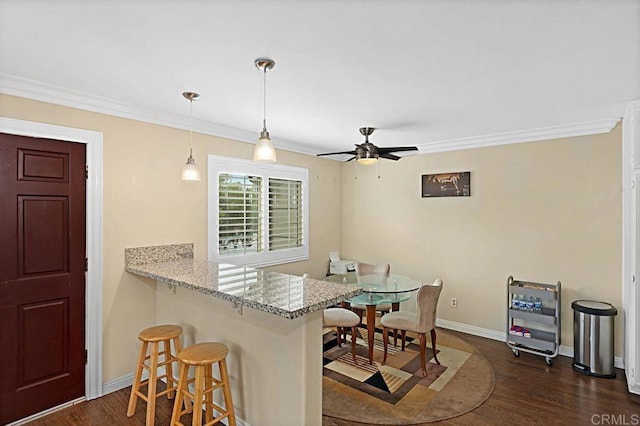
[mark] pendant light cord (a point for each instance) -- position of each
(190, 127)
(264, 98)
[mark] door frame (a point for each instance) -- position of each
(93, 307)
(630, 238)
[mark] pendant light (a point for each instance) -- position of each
(264, 150)
(190, 171)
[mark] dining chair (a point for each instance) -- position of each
(342, 318)
(420, 322)
(371, 269)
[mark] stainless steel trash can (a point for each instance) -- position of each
(593, 338)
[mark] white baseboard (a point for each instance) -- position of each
(47, 412)
(119, 383)
(501, 336)
(472, 329)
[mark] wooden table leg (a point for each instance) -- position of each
(395, 306)
(371, 329)
(346, 305)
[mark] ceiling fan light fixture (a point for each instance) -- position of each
(366, 161)
(366, 153)
(264, 150)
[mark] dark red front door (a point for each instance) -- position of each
(42, 274)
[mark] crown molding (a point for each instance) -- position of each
(521, 136)
(45, 92)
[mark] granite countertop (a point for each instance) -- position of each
(287, 296)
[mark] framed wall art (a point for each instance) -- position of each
(456, 184)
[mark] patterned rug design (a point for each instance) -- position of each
(397, 393)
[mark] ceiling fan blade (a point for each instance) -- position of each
(351, 159)
(389, 156)
(397, 149)
(336, 153)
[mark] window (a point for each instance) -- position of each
(239, 214)
(258, 213)
(285, 214)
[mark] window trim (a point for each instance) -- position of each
(218, 164)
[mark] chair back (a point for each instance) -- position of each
(367, 268)
(377, 272)
(427, 304)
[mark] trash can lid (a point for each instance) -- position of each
(594, 308)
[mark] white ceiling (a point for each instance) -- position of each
(423, 72)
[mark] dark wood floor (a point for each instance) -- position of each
(527, 393)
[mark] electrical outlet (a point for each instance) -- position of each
(454, 302)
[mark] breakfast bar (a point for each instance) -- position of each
(271, 322)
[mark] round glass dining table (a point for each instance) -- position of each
(377, 289)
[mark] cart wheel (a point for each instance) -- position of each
(549, 361)
(516, 352)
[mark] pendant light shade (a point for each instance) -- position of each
(190, 171)
(264, 150)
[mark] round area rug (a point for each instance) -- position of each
(397, 393)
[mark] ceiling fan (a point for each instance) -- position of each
(368, 153)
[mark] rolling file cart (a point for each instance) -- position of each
(533, 318)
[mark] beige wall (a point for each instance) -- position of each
(145, 203)
(540, 211)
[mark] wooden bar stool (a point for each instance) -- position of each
(154, 336)
(202, 356)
